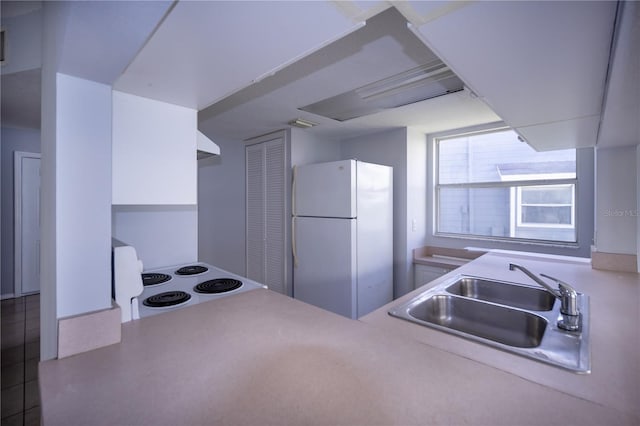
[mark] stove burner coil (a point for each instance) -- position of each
(218, 285)
(169, 298)
(155, 278)
(192, 270)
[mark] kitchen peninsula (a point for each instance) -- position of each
(262, 358)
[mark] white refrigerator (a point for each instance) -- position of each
(343, 236)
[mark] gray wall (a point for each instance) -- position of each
(221, 196)
(13, 139)
(390, 149)
(306, 148)
(417, 202)
(221, 208)
(616, 204)
(221, 188)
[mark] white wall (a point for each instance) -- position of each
(390, 149)
(616, 208)
(13, 139)
(52, 36)
(162, 235)
(154, 152)
(83, 199)
(154, 187)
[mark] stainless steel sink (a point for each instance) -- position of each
(494, 322)
(509, 316)
(511, 294)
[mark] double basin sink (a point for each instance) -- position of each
(509, 316)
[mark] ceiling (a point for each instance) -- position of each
(224, 59)
(255, 79)
(382, 48)
(97, 41)
(620, 125)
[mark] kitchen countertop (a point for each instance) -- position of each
(614, 300)
(262, 358)
(444, 257)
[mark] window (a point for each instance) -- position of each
(489, 184)
(546, 206)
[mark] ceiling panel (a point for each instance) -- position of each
(205, 51)
(384, 47)
(620, 119)
(102, 37)
(533, 62)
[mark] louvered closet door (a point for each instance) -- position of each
(266, 233)
(274, 214)
(255, 212)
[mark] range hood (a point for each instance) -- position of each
(206, 147)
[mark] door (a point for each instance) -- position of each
(266, 233)
(326, 189)
(27, 223)
(324, 271)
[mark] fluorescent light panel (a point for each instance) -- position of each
(414, 85)
(302, 123)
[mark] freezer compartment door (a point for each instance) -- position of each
(326, 189)
(325, 267)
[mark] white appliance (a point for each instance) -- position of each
(343, 236)
(127, 281)
(144, 293)
(175, 287)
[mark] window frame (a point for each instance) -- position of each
(519, 204)
(544, 180)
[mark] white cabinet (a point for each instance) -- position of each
(153, 152)
(541, 66)
(423, 274)
(266, 201)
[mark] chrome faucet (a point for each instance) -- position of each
(570, 319)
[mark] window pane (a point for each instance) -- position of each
(490, 212)
(547, 194)
(546, 215)
(498, 157)
(477, 211)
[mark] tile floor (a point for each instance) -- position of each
(20, 337)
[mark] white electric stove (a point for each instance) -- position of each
(178, 286)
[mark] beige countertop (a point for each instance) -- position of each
(614, 300)
(444, 257)
(262, 358)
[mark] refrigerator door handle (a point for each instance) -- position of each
(293, 190)
(293, 217)
(293, 242)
